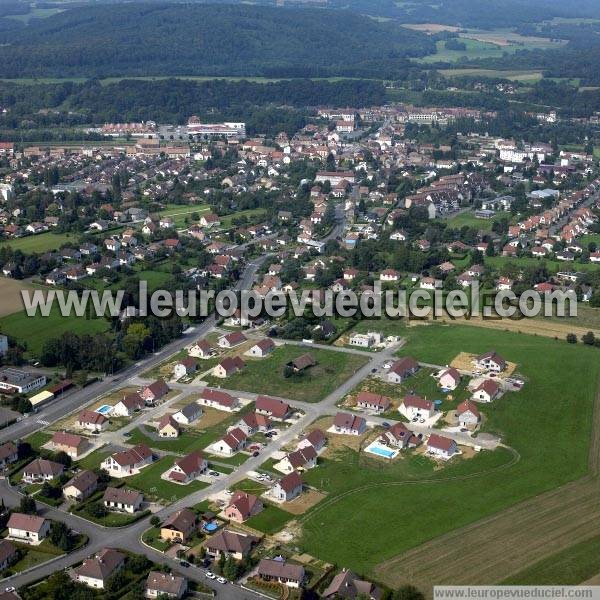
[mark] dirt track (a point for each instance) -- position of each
(10, 296)
(496, 547)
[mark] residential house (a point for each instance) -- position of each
(69, 443)
(81, 486)
(441, 447)
(179, 526)
(231, 543)
(95, 571)
(400, 437)
(8, 454)
(188, 414)
(188, 468)
(373, 402)
(281, 572)
(161, 584)
(402, 369)
(185, 367)
(415, 407)
(92, 421)
(168, 427)
(40, 470)
(154, 392)
(490, 361)
(303, 362)
(228, 366)
(122, 500)
(218, 400)
(262, 348)
(128, 462)
(316, 438)
(230, 340)
(201, 349)
(234, 441)
(487, 391)
(128, 405)
(449, 379)
(468, 415)
(29, 529)
(299, 460)
(276, 409)
(8, 554)
(252, 423)
(242, 506)
(348, 424)
(347, 585)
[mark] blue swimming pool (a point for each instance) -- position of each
(381, 451)
(104, 409)
(210, 527)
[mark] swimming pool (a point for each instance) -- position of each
(381, 451)
(104, 409)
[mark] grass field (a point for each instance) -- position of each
(179, 212)
(513, 75)
(469, 219)
(548, 424)
(148, 481)
(270, 520)
(21, 327)
(571, 566)
(42, 242)
(265, 376)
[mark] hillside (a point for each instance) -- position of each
(236, 40)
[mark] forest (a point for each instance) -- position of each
(194, 39)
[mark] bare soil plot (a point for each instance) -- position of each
(10, 296)
(306, 501)
(431, 28)
(209, 418)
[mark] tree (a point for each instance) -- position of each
(589, 339)
(27, 505)
(230, 569)
(571, 338)
(155, 521)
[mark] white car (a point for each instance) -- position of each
(222, 580)
(10, 589)
(210, 575)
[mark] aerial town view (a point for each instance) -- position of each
(299, 299)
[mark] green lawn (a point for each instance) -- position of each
(553, 266)
(42, 242)
(547, 423)
(571, 566)
(148, 481)
(270, 520)
(265, 376)
(93, 459)
(469, 219)
(179, 212)
(20, 326)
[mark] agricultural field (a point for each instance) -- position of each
(469, 219)
(265, 376)
(545, 427)
(10, 296)
(526, 75)
(40, 243)
(20, 326)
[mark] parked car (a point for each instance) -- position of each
(210, 575)
(222, 580)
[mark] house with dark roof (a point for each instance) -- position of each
(230, 340)
(40, 470)
(188, 468)
(299, 460)
(468, 414)
(8, 454)
(262, 348)
(8, 554)
(154, 392)
(252, 423)
(490, 361)
(228, 367)
(373, 402)
(95, 571)
(316, 438)
(402, 369)
(276, 409)
(128, 405)
(92, 421)
(288, 488)
(302, 362)
(188, 414)
(349, 424)
(69, 443)
(81, 486)
(234, 441)
(179, 526)
(29, 529)
(122, 500)
(416, 407)
(441, 447)
(128, 462)
(231, 543)
(487, 391)
(218, 400)
(165, 584)
(168, 427)
(281, 571)
(242, 506)
(347, 585)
